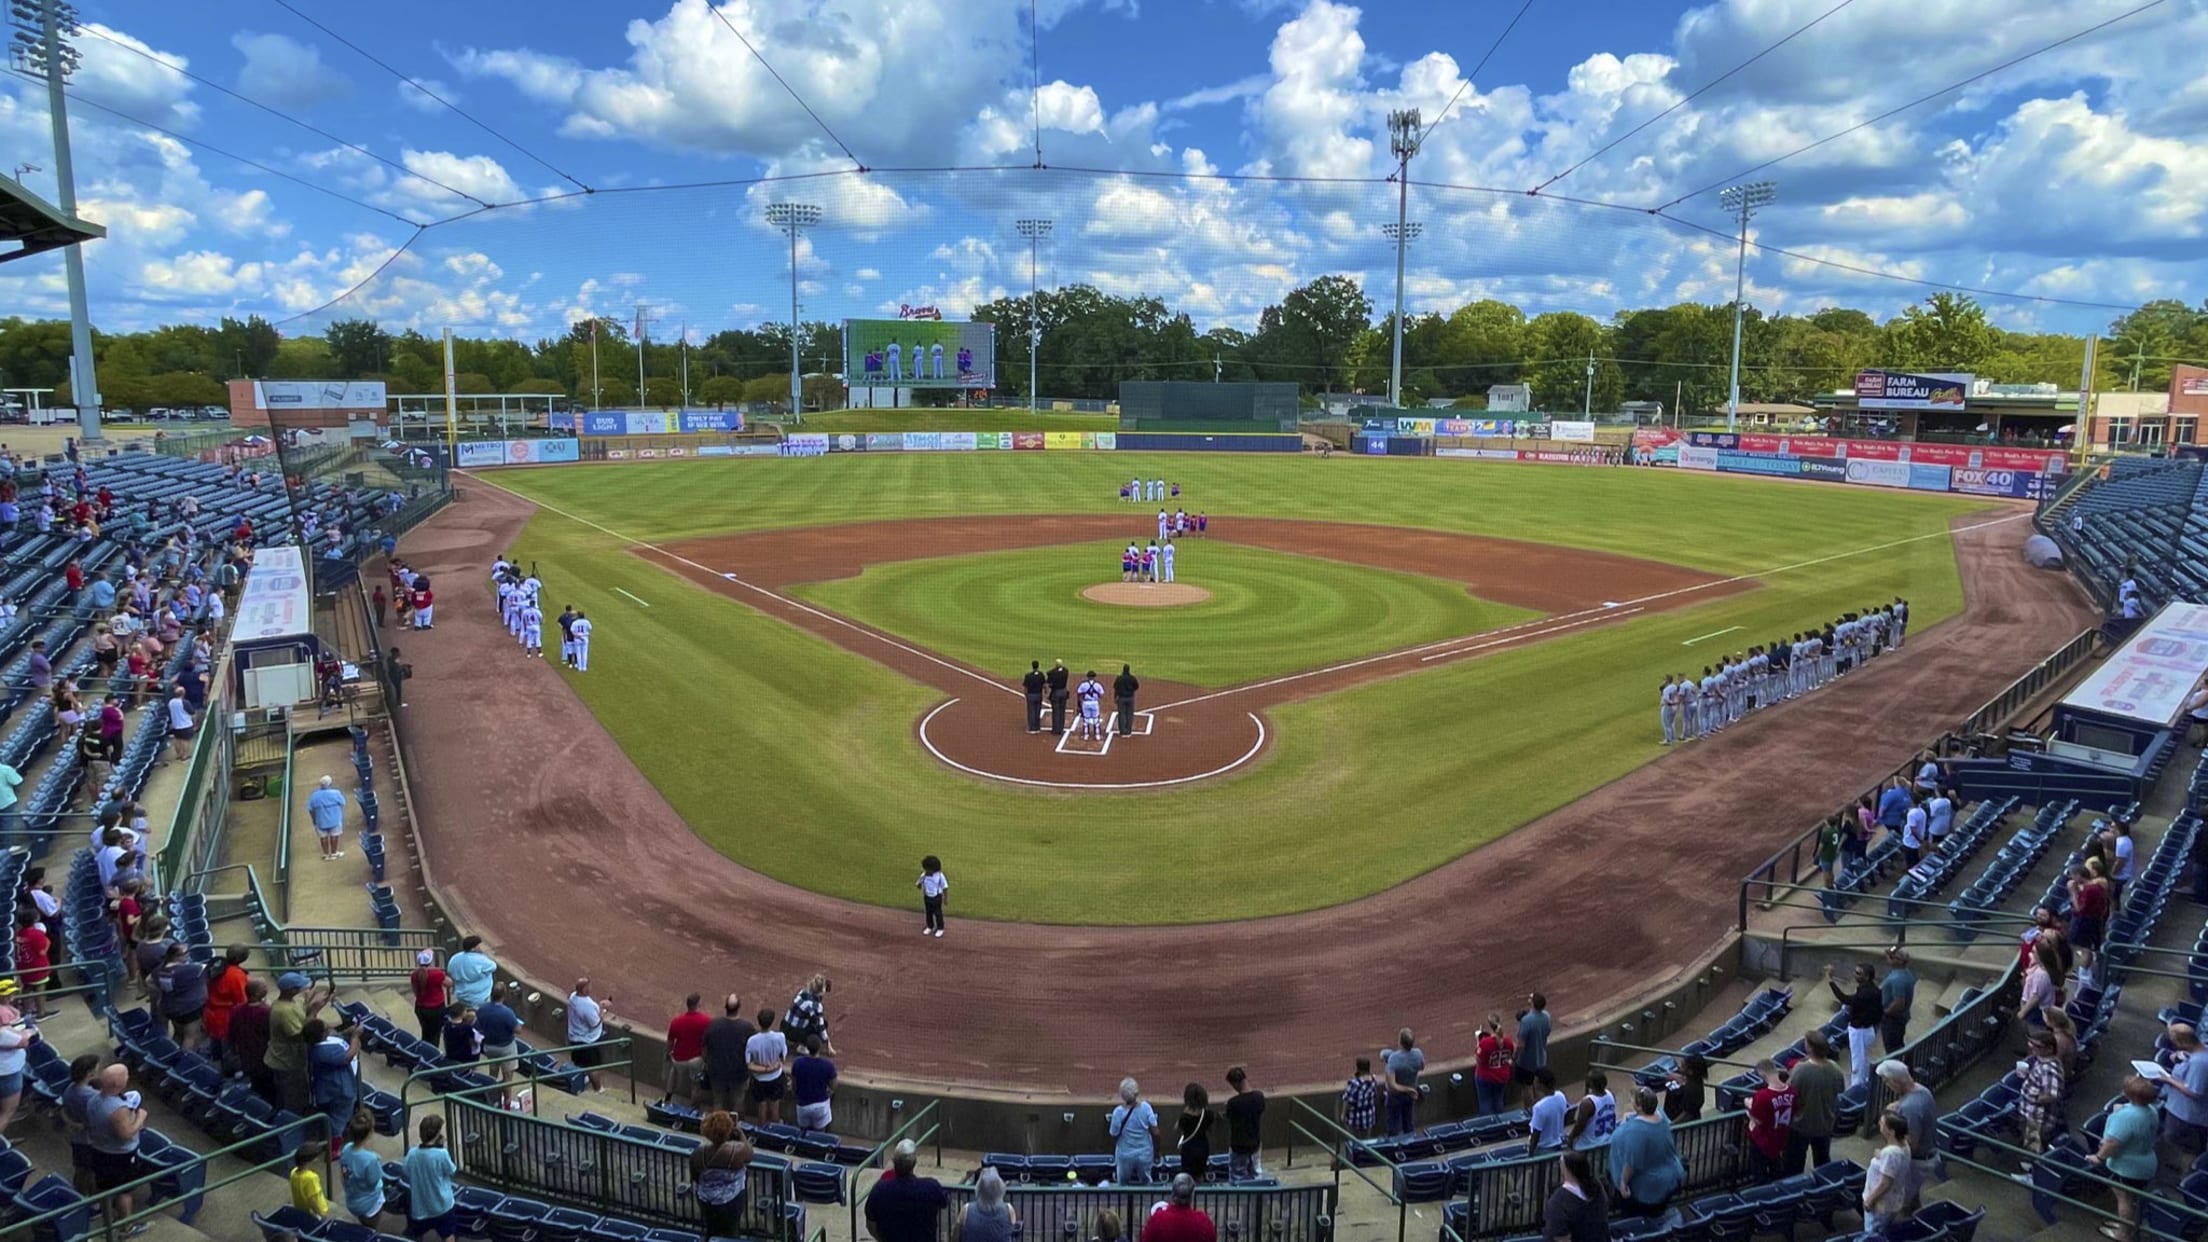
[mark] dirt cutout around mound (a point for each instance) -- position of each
(1146, 594)
(543, 837)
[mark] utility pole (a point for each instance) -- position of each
(793, 219)
(643, 326)
(597, 397)
(1034, 230)
(1742, 202)
(42, 49)
(1587, 402)
(1403, 139)
(685, 364)
(452, 407)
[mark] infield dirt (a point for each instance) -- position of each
(546, 840)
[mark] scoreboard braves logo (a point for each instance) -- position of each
(906, 311)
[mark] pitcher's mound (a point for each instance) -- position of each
(1146, 594)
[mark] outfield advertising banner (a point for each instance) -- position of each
(1106, 441)
(605, 423)
(710, 420)
(1902, 390)
(545, 452)
(1575, 432)
(1063, 440)
(885, 441)
(1414, 426)
(1758, 463)
(1878, 473)
(1697, 457)
(648, 423)
(804, 445)
(1029, 440)
(992, 439)
(1923, 478)
(474, 454)
(1819, 468)
(1479, 454)
(919, 353)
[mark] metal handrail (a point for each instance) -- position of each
(407, 1102)
(1786, 904)
(935, 1132)
(1604, 1041)
(1786, 949)
(2088, 1174)
(28, 1228)
(1388, 1192)
(283, 835)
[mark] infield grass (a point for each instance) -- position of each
(1269, 612)
(839, 798)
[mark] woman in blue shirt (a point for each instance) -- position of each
(362, 1171)
(429, 1175)
(1134, 1127)
(2127, 1154)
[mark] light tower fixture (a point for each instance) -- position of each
(40, 47)
(1742, 202)
(1034, 229)
(1405, 132)
(793, 219)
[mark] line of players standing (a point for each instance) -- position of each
(1739, 684)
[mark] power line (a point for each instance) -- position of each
(1699, 91)
(714, 9)
(212, 149)
(1921, 99)
(1466, 85)
(373, 59)
(281, 115)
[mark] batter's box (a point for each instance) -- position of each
(1145, 724)
(1072, 743)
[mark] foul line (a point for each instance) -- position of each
(1605, 615)
(638, 599)
(1712, 634)
(1247, 755)
(1608, 606)
(777, 597)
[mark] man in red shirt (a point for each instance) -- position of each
(685, 1050)
(1180, 1220)
(1491, 1065)
(1770, 1121)
(74, 576)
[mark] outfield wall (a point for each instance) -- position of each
(487, 454)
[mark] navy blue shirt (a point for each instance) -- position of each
(905, 1209)
(496, 1024)
(811, 1076)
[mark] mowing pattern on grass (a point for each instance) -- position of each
(1269, 612)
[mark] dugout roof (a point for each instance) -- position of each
(36, 225)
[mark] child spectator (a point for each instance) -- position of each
(1361, 1100)
(932, 885)
(306, 1184)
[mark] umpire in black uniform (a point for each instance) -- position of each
(1057, 678)
(1033, 684)
(1123, 692)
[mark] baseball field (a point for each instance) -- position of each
(1428, 654)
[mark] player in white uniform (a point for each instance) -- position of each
(532, 629)
(1667, 709)
(895, 357)
(581, 634)
(1165, 562)
(1162, 520)
(1091, 694)
(1689, 717)
(935, 360)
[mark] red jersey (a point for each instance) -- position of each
(1493, 1060)
(1173, 1223)
(423, 599)
(1771, 1119)
(686, 1035)
(2092, 901)
(74, 576)
(33, 954)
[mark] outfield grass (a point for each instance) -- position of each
(810, 772)
(956, 420)
(1269, 612)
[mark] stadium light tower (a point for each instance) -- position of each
(41, 49)
(1742, 202)
(1034, 230)
(1403, 139)
(793, 219)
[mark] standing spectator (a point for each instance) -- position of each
(767, 1058)
(812, 1083)
(685, 1049)
(1897, 994)
(1491, 1066)
(2127, 1155)
(1889, 1182)
(360, 1169)
(2185, 1108)
(333, 1071)
(1192, 1130)
(905, 1208)
(497, 1025)
(1134, 1130)
(1245, 1111)
(726, 1077)
(111, 730)
(2043, 993)
(932, 885)
(306, 1184)
(2039, 1096)
(808, 1015)
(225, 992)
(432, 994)
(1913, 1100)
(296, 1002)
(1644, 1162)
(34, 957)
(1361, 1100)
(16, 1038)
(41, 667)
(463, 1043)
(586, 1027)
(1817, 1084)
(2123, 854)
(180, 724)
(1404, 1063)
(326, 806)
(1687, 1090)
(113, 1123)
(429, 1186)
(379, 603)
(470, 971)
(1864, 1008)
(1179, 1219)
(718, 1174)
(248, 1041)
(1829, 836)
(1770, 1123)
(9, 779)
(2088, 914)
(1545, 1121)
(183, 987)
(1533, 1043)
(1893, 805)
(1596, 1114)
(1577, 1210)
(989, 1218)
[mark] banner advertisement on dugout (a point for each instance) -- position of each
(919, 353)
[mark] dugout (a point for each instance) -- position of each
(1185, 405)
(272, 643)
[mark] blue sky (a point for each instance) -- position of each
(1229, 150)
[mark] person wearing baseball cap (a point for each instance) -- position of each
(297, 999)
(432, 995)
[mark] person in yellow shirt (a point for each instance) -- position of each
(306, 1184)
